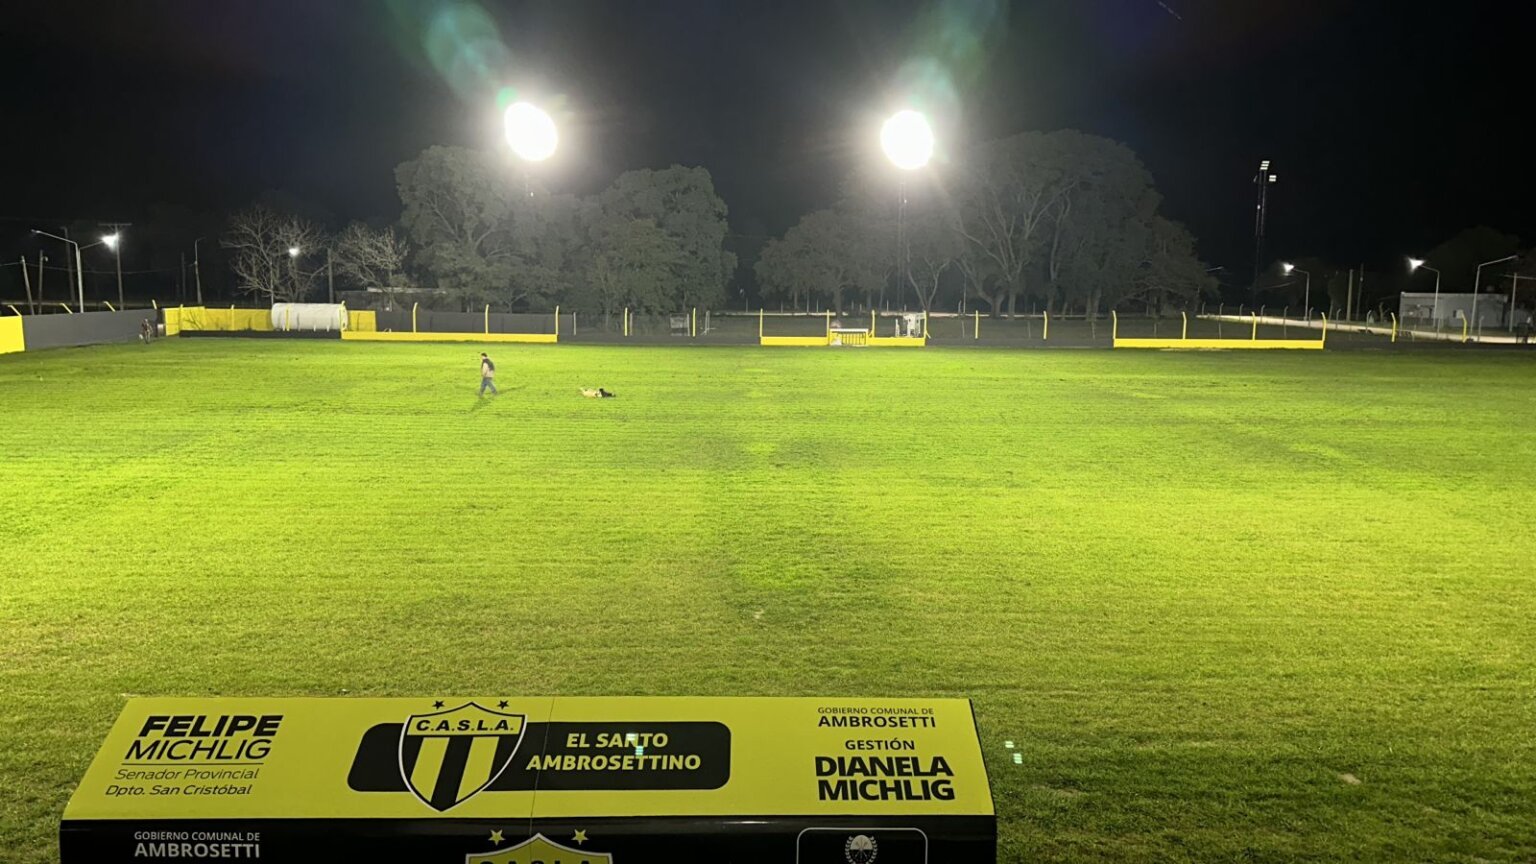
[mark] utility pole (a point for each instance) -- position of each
(197, 272)
(181, 283)
(41, 260)
(1514, 291)
(69, 268)
(26, 280)
(330, 284)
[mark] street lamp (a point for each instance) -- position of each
(1307, 302)
(79, 274)
(907, 140)
(112, 242)
(1477, 282)
(530, 132)
(293, 251)
(1415, 264)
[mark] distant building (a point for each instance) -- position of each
(1420, 309)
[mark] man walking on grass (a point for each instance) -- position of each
(487, 375)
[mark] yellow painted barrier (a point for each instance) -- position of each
(897, 341)
(375, 336)
(12, 337)
(1220, 344)
(795, 341)
(365, 321)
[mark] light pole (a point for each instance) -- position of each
(1263, 180)
(1417, 263)
(79, 274)
(907, 140)
(293, 269)
(1306, 304)
(113, 242)
(197, 273)
(1477, 283)
(530, 132)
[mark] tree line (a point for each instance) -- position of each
(1060, 220)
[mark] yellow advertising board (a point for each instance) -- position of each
(503, 779)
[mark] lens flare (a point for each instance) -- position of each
(530, 132)
(907, 140)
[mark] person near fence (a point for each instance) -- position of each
(487, 375)
(146, 331)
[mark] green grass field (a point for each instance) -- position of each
(1256, 607)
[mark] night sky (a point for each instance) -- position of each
(1391, 125)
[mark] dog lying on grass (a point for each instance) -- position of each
(598, 393)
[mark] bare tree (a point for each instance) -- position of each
(273, 254)
(373, 259)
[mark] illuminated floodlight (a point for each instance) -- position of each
(530, 132)
(1415, 263)
(293, 251)
(1287, 268)
(111, 240)
(907, 140)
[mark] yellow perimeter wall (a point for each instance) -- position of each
(527, 338)
(824, 341)
(11, 338)
(1222, 344)
(179, 318)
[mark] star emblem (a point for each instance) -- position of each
(501, 704)
(579, 837)
(437, 704)
(496, 837)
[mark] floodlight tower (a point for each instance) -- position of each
(531, 134)
(1263, 180)
(907, 139)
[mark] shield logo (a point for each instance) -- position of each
(448, 756)
(539, 849)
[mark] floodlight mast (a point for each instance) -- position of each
(530, 132)
(907, 139)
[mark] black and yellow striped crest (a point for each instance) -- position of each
(448, 756)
